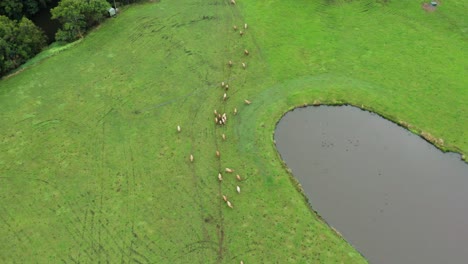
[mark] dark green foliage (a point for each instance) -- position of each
(76, 16)
(30, 37)
(11, 8)
(15, 9)
(19, 41)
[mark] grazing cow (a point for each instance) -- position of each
(246, 52)
(228, 170)
(233, 2)
(216, 120)
(220, 177)
(235, 28)
(242, 262)
(215, 112)
(244, 65)
(238, 177)
(235, 111)
(247, 101)
(191, 158)
(222, 84)
(218, 154)
(223, 136)
(224, 97)
(178, 128)
(229, 204)
(241, 33)
(225, 198)
(245, 26)
(238, 189)
(230, 63)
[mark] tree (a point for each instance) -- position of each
(30, 38)
(16, 9)
(19, 41)
(7, 28)
(11, 8)
(76, 16)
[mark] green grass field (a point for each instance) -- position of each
(93, 169)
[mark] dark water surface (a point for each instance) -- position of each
(391, 194)
(43, 19)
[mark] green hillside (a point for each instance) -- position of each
(92, 168)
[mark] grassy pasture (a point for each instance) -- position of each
(93, 170)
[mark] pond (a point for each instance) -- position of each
(43, 19)
(391, 194)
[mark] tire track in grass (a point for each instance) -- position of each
(227, 76)
(132, 253)
(6, 219)
(82, 235)
(70, 222)
(132, 240)
(101, 223)
(127, 183)
(97, 215)
(92, 248)
(228, 73)
(101, 174)
(220, 227)
(146, 242)
(112, 237)
(71, 226)
(195, 178)
(135, 255)
(238, 78)
(196, 182)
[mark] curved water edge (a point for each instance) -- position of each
(436, 142)
(396, 198)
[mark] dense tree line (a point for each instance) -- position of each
(16, 9)
(77, 16)
(20, 39)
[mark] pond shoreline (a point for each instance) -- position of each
(436, 142)
(327, 172)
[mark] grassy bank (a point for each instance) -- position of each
(93, 169)
(52, 50)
